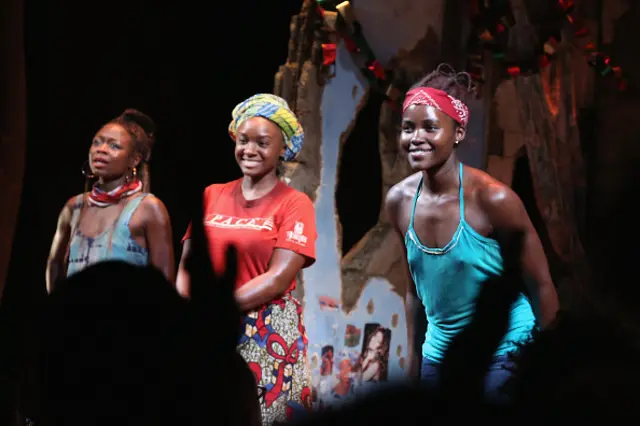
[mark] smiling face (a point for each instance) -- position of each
(112, 153)
(428, 136)
(259, 146)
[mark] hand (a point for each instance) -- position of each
(471, 352)
(212, 302)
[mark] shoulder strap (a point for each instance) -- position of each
(130, 207)
(124, 216)
(76, 210)
(461, 194)
(415, 202)
(77, 206)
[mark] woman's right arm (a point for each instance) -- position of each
(413, 310)
(412, 304)
(183, 283)
(56, 263)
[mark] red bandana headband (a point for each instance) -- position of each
(438, 99)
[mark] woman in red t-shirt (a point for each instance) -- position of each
(272, 226)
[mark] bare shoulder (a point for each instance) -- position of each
(398, 198)
(403, 190)
(501, 204)
(75, 201)
(153, 203)
(153, 208)
(72, 204)
(65, 218)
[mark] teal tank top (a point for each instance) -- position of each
(449, 279)
(85, 251)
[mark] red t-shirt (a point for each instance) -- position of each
(284, 218)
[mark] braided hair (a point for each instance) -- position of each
(456, 84)
(141, 129)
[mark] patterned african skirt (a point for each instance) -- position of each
(274, 345)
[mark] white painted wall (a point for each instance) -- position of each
(388, 27)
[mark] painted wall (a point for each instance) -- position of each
(335, 337)
(472, 150)
(354, 301)
(340, 364)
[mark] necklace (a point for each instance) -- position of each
(100, 198)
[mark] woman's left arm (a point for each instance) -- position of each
(284, 266)
(506, 212)
(294, 250)
(159, 236)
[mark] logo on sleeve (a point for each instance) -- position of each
(297, 235)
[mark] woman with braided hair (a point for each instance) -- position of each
(449, 216)
(117, 219)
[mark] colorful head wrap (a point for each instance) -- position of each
(438, 99)
(275, 109)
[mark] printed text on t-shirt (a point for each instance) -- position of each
(253, 223)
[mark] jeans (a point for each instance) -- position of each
(497, 375)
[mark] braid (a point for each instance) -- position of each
(456, 84)
(142, 130)
(145, 177)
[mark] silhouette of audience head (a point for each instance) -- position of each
(119, 346)
(113, 342)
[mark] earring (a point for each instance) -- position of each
(457, 141)
(85, 173)
(134, 173)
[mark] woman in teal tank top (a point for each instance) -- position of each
(117, 219)
(446, 213)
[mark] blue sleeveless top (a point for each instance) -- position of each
(85, 251)
(449, 279)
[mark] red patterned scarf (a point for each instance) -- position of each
(438, 99)
(100, 198)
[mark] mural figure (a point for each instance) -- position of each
(373, 363)
(326, 368)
